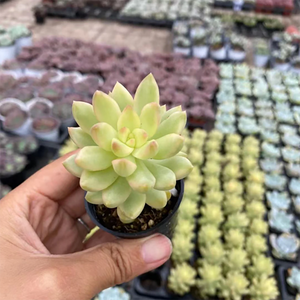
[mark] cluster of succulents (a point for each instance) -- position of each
(4, 190)
(232, 211)
(167, 10)
(182, 276)
(182, 81)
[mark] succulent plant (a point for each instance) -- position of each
(254, 191)
(236, 260)
(234, 239)
(125, 147)
(15, 119)
(212, 183)
(231, 171)
(210, 279)
(256, 176)
(233, 139)
(270, 150)
(188, 209)
(211, 214)
(213, 253)
(248, 164)
(11, 163)
(196, 157)
(278, 200)
(275, 182)
(213, 197)
(232, 204)
(250, 151)
(294, 186)
(280, 220)
(214, 157)
(212, 169)
(233, 187)
(208, 234)
(285, 246)
(255, 209)
(258, 226)
(212, 145)
(4, 190)
(271, 165)
(291, 155)
(215, 135)
(232, 159)
(234, 286)
(255, 245)
(293, 170)
(185, 228)
(115, 293)
(263, 288)
(296, 201)
(236, 221)
(62, 111)
(182, 249)
(293, 279)
(261, 266)
(181, 279)
(68, 147)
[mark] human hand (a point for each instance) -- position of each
(42, 255)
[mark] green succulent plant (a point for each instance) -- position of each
(233, 138)
(234, 239)
(236, 260)
(249, 164)
(214, 157)
(195, 176)
(212, 169)
(232, 149)
(232, 158)
(212, 145)
(196, 157)
(192, 191)
(213, 253)
(237, 221)
(210, 279)
(261, 266)
(125, 159)
(232, 204)
(211, 214)
(182, 249)
(181, 279)
(208, 234)
(234, 286)
(255, 245)
(213, 197)
(185, 228)
(254, 191)
(263, 288)
(250, 140)
(233, 187)
(188, 210)
(231, 171)
(199, 134)
(256, 176)
(258, 226)
(250, 151)
(212, 183)
(216, 135)
(255, 209)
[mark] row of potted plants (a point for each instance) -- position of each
(182, 81)
(234, 266)
(12, 41)
(202, 41)
(169, 10)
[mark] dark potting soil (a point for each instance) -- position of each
(147, 219)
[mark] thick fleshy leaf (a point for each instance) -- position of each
(102, 134)
(97, 181)
(142, 179)
(165, 178)
(163, 110)
(182, 154)
(120, 149)
(83, 114)
(140, 136)
(169, 112)
(80, 138)
(123, 134)
(94, 197)
(117, 193)
(169, 145)
(150, 118)
(149, 150)
(121, 96)
(129, 119)
(180, 165)
(131, 143)
(146, 92)
(72, 167)
(174, 124)
(106, 109)
(134, 205)
(124, 166)
(124, 219)
(93, 158)
(156, 199)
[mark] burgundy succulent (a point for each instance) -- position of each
(15, 119)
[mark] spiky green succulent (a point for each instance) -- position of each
(188, 210)
(212, 169)
(236, 260)
(256, 176)
(212, 145)
(255, 209)
(181, 279)
(213, 253)
(261, 266)
(234, 239)
(256, 245)
(232, 149)
(234, 286)
(211, 214)
(185, 228)
(254, 191)
(248, 164)
(233, 138)
(263, 288)
(232, 204)
(216, 135)
(231, 171)
(258, 226)
(233, 187)
(130, 149)
(237, 221)
(214, 157)
(182, 249)
(212, 183)
(213, 197)
(208, 234)
(210, 279)
(196, 157)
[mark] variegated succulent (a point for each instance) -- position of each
(130, 149)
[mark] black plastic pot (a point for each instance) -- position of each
(165, 227)
(287, 292)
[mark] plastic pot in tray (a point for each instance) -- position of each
(166, 226)
(287, 292)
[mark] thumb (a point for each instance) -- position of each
(116, 262)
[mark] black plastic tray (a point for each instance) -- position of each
(147, 22)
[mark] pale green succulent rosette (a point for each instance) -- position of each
(130, 149)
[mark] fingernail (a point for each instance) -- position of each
(156, 248)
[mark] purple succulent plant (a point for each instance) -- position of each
(11, 163)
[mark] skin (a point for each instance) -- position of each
(43, 255)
